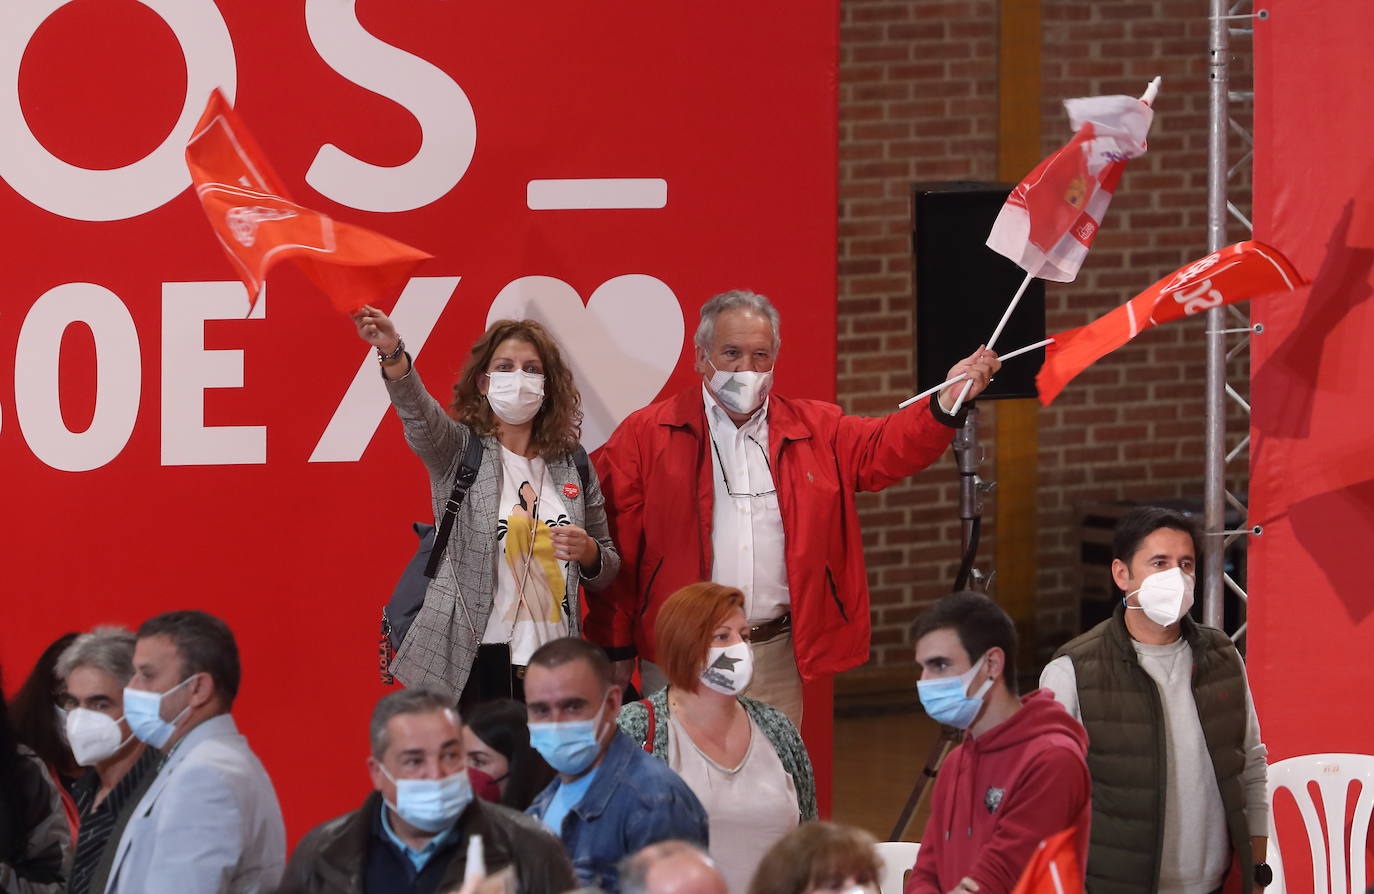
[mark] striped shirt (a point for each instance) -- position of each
(98, 821)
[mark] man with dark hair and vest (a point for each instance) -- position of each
(1180, 804)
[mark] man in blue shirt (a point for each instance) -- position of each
(411, 835)
(611, 798)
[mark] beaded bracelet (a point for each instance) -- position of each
(400, 349)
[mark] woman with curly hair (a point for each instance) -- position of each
(530, 530)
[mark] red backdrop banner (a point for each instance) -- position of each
(1311, 631)
(605, 168)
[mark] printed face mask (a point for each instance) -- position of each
(93, 736)
(143, 711)
(947, 700)
(515, 397)
(743, 391)
(431, 804)
(729, 668)
(571, 746)
(1165, 596)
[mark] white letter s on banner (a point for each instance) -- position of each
(447, 125)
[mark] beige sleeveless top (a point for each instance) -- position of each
(750, 806)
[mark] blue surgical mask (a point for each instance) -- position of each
(143, 712)
(431, 804)
(570, 747)
(947, 701)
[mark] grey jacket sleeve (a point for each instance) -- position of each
(434, 436)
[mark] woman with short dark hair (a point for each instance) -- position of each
(532, 528)
(502, 765)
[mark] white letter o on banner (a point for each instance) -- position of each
(118, 376)
(84, 193)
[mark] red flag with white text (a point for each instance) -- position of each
(258, 225)
(1236, 273)
(1052, 216)
(1055, 868)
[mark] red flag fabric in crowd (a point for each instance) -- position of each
(1235, 273)
(1055, 868)
(1051, 217)
(258, 225)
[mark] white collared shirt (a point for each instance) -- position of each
(746, 531)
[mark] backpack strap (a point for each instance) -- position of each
(648, 706)
(583, 463)
(467, 474)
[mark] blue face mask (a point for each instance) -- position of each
(143, 712)
(431, 804)
(946, 700)
(570, 747)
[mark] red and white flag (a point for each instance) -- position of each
(1236, 273)
(1055, 868)
(258, 225)
(1051, 217)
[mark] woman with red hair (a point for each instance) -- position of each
(743, 759)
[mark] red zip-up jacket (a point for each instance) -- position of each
(656, 472)
(998, 795)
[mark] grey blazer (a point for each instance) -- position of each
(441, 645)
(208, 824)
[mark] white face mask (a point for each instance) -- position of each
(94, 736)
(741, 392)
(729, 668)
(1165, 596)
(515, 396)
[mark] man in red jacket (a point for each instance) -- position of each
(1020, 777)
(727, 482)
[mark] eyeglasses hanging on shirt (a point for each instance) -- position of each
(730, 490)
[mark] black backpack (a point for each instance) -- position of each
(409, 595)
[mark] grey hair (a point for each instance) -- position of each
(407, 701)
(110, 649)
(735, 299)
(634, 869)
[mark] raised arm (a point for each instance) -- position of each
(430, 432)
(881, 451)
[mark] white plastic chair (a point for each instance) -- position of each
(897, 858)
(1332, 773)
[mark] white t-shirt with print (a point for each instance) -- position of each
(529, 608)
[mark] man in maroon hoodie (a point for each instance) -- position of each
(1021, 774)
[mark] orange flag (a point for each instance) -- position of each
(1235, 273)
(258, 225)
(1054, 868)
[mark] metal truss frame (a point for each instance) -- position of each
(1228, 18)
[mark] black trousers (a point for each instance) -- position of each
(492, 677)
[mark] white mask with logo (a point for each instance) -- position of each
(1165, 596)
(729, 668)
(741, 392)
(515, 396)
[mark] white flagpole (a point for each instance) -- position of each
(1016, 299)
(959, 378)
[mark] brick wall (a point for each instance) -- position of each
(918, 101)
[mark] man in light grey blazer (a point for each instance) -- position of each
(209, 822)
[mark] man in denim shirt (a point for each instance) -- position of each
(611, 798)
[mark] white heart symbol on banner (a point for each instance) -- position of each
(621, 345)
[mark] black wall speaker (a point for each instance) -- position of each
(962, 288)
